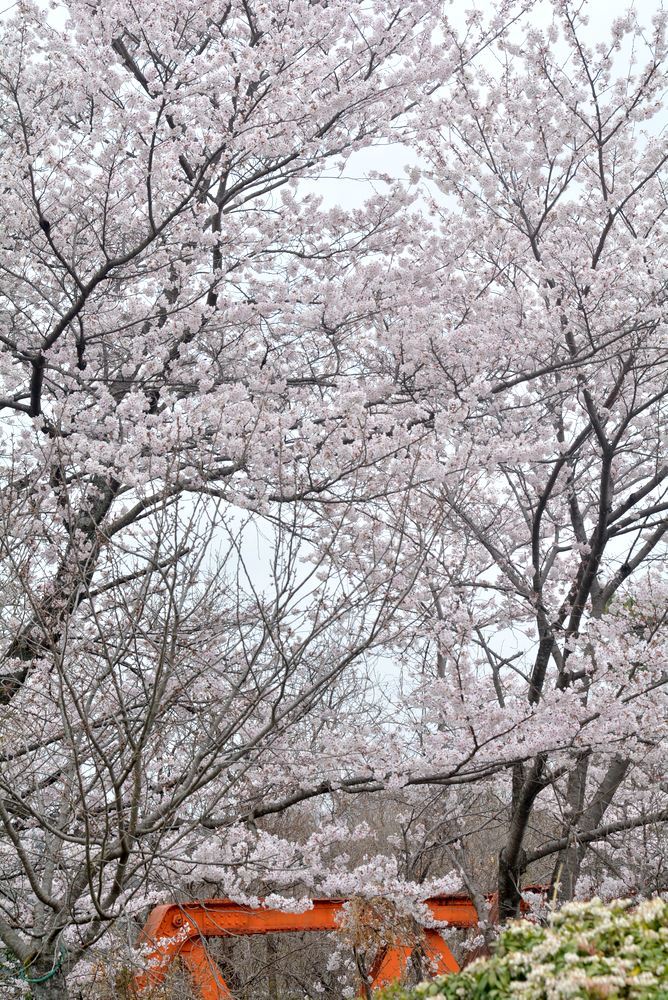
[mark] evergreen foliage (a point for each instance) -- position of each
(589, 950)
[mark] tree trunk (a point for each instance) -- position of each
(52, 611)
(567, 866)
(511, 869)
(512, 858)
(271, 954)
(569, 861)
(53, 988)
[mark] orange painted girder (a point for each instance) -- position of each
(204, 972)
(178, 930)
(218, 917)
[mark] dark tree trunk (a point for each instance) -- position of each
(511, 869)
(567, 865)
(512, 858)
(53, 610)
(53, 988)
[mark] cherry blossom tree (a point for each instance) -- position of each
(538, 353)
(255, 446)
(182, 328)
(565, 164)
(527, 329)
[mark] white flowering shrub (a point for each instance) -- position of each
(588, 950)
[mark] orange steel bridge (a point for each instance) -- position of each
(179, 931)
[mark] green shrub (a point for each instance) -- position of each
(589, 950)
